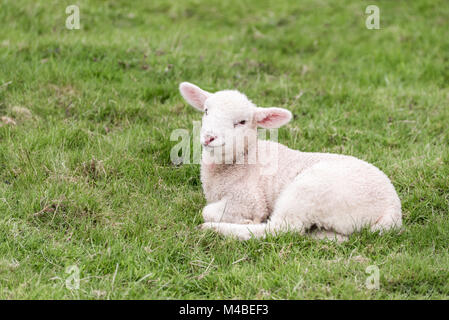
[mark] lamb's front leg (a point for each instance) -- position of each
(246, 231)
(214, 211)
(217, 212)
(241, 231)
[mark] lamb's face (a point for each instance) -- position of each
(230, 121)
(228, 127)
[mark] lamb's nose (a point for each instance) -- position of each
(208, 139)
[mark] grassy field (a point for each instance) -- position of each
(85, 173)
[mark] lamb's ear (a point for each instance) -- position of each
(194, 95)
(272, 117)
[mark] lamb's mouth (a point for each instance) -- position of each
(209, 147)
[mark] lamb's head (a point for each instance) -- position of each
(230, 121)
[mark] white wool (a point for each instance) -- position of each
(285, 189)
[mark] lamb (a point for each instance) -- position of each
(281, 189)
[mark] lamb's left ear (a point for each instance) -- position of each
(272, 117)
(194, 95)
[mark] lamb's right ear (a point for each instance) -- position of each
(194, 95)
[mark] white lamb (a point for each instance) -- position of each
(283, 190)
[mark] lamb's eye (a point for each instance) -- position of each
(240, 123)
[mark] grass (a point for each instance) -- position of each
(85, 172)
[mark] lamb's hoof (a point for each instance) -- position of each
(204, 226)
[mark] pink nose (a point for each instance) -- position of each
(208, 139)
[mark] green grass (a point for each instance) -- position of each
(86, 178)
